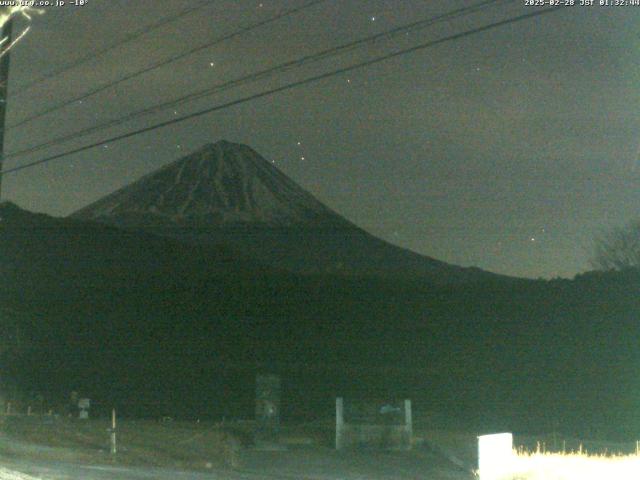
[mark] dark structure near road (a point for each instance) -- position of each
(267, 407)
(373, 424)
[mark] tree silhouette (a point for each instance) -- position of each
(619, 249)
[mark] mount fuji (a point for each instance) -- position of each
(226, 193)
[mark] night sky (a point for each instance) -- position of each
(508, 150)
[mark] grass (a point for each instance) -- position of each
(599, 461)
(185, 445)
(574, 466)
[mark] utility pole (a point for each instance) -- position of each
(6, 34)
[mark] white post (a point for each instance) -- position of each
(114, 448)
(408, 422)
(495, 456)
(339, 422)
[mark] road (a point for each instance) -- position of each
(65, 471)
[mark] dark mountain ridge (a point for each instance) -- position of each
(157, 327)
(46, 252)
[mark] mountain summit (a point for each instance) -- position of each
(227, 194)
(219, 186)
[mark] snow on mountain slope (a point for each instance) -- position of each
(222, 184)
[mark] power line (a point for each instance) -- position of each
(127, 39)
(165, 62)
(288, 86)
(305, 60)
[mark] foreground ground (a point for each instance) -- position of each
(51, 448)
(301, 464)
(64, 449)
